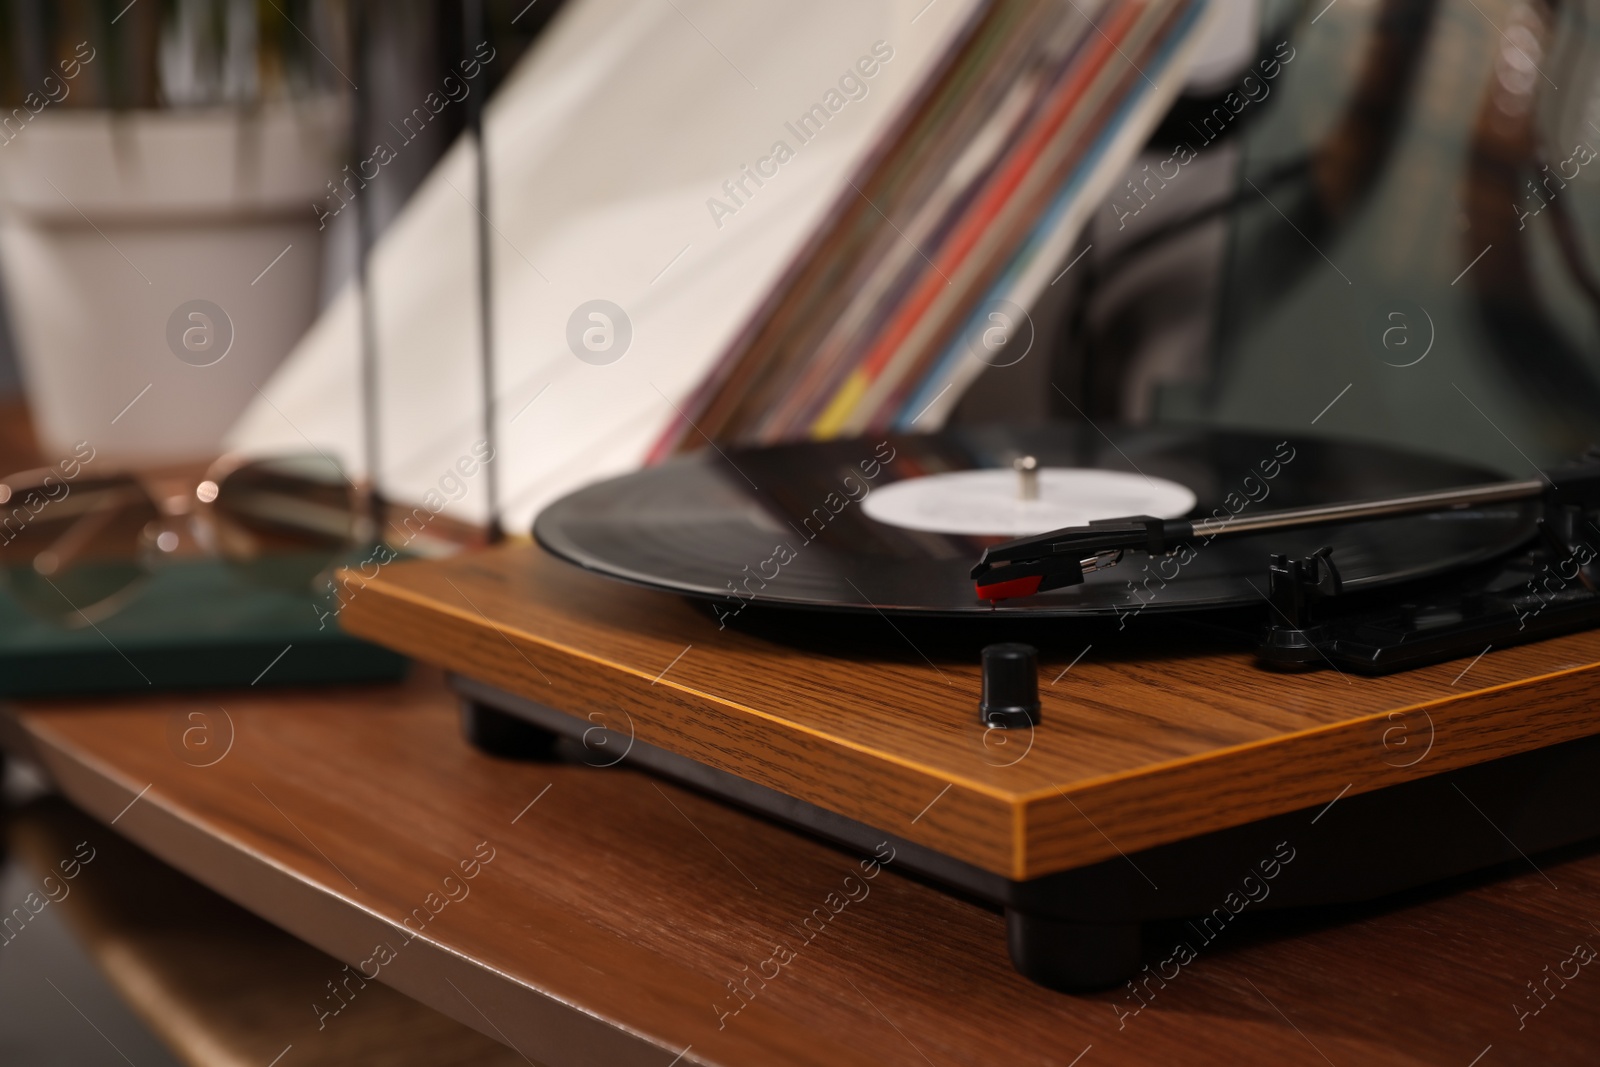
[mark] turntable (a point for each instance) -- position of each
(1303, 672)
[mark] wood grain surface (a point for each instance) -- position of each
(222, 987)
(1151, 736)
(18, 450)
(617, 908)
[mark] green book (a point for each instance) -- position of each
(188, 624)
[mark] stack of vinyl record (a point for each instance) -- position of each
(841, 196)
(921, 280)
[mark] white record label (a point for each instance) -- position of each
(990, 502)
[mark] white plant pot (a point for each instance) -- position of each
(112, 226)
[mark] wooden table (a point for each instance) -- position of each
(615, 910)
(217, 984)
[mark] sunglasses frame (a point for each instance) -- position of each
(196, 505)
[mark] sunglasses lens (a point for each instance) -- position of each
(293, 509)
(71, 547)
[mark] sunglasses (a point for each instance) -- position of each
(75, 548)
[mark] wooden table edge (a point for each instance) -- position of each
(318, 915)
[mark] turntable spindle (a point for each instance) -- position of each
(1027, 469)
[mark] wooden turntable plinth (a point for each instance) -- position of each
(1137, 758)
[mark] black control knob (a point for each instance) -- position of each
(1010, 686)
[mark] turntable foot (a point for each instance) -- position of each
(496, 733)
(1072, 956)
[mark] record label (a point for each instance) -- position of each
(990, 503)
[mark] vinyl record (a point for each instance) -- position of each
(894, 524)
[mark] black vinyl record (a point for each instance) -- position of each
(797, 526)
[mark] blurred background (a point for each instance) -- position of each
(1307, 243)
(1396, 238)
(192, 138)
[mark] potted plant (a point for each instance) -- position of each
(159, 251)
